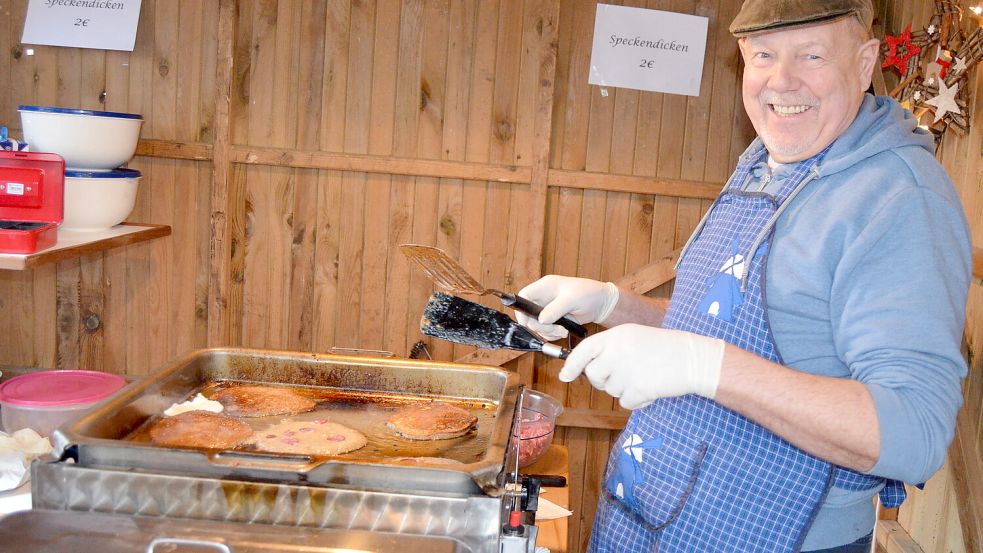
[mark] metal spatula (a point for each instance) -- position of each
(458, 320)
(447, 274)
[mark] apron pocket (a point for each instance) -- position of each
(652, 472)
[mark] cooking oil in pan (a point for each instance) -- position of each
(368, 413)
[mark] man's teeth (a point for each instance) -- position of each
(788, 110)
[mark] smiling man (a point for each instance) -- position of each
(803, 86)
(809, 358)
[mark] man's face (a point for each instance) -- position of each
(802, 87)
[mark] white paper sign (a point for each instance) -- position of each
(101, 24)
(648, 50)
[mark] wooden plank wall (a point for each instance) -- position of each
(130, 309)
(293, 144)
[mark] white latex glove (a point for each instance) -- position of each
(583, 299)
(640, 364)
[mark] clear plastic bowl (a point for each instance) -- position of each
(44, 400)
(539, 413)
(43, 420)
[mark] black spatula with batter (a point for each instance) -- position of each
(449, 275)
(456, 320)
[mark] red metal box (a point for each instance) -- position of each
(31, 200)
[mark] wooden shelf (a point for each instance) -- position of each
(74, 243)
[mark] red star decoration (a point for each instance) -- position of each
(900, 61)
(945, 65)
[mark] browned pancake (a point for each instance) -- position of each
(200, 429)
(262, 401)
(432, 421)
(317, 437)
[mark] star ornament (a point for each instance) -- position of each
(960, 65)
(900, 50)
(945, 102)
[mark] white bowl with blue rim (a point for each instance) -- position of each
(88, 140)
(98, 200)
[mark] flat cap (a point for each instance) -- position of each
(758, 16)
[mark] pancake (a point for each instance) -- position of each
(432, 421)
(200, 429)
(317, 437)
(262, 401)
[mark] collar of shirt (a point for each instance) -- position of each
(766, 176)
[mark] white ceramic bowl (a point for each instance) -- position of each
(88, 140)
(98, 200)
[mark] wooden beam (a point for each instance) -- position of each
(892, 538)
(531, 251)
(592, 418)
(967, 476)
(494, 357)
(978, 263)
(222, 202)
(197, 151)
(541, 41)
(639, 185)
(365, 163)
(651, 276)
(877, 79)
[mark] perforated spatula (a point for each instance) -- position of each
(447, 274)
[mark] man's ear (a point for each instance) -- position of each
(867, 60)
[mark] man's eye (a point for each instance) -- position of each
(813, 57)
(762, 55)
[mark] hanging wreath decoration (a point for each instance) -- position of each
(935, 64)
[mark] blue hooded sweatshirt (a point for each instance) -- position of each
(867, 279)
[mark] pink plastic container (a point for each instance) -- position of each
(45, 400)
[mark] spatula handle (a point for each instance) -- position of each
(529, 308)
(554, 350)
(548, 480)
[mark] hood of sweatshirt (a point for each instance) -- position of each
(881, 124)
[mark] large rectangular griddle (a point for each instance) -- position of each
(353, 390)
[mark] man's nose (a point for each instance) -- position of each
(783, 77)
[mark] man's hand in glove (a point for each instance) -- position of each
(584, 300)
(640, 364)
